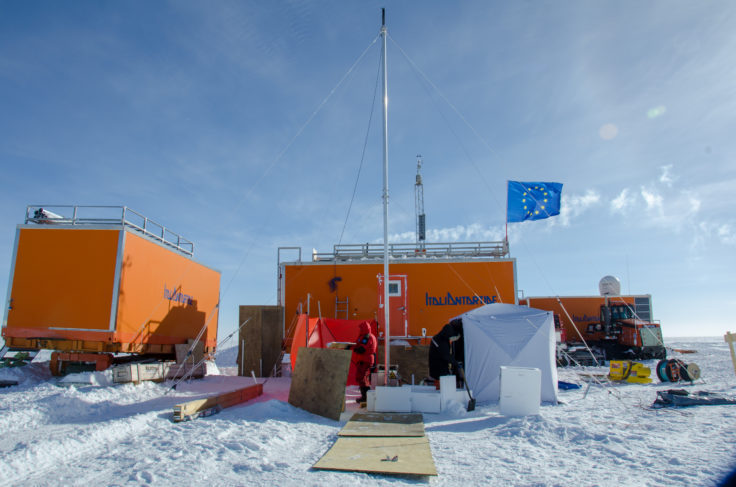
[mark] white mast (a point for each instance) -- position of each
(419, 206)
(387, 325)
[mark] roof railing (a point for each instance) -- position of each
(438, 250)
(80, 215)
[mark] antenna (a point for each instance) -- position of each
(419, 205)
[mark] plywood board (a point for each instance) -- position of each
(412, 360)
(318, 381)
(182, 349)
(259, 342)
(384, 424)
(407, 455)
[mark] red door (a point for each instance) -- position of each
(397, 305)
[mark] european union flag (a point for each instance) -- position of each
(532, 201)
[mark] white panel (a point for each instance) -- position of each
(448, 386)
(461, 396)
(370, 403)
(521, 391)
(393, 399)
(425, 402)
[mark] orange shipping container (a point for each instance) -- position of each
(107, 285)
(425, 292)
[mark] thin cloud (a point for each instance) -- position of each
(663, 205)
(575, 205)
(652, 199)
(475, 232)
(623, 201)
(666, 177)
(725, 233)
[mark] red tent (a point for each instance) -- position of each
(322, 331)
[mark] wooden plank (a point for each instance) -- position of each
(210, 405)
(410, 456)
(384, 424)
(730, 338)
(318, 381)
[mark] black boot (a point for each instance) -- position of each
(363, 394)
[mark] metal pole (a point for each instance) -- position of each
(387, 324)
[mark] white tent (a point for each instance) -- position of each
(498, 335)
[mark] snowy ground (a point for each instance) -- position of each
(104, 434)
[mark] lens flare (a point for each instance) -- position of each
(608, 132)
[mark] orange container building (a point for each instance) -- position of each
(428, 284)
(582, 311)
(106, 279)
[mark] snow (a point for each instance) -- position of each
(84, 430)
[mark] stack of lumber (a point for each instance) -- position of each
(214, 404)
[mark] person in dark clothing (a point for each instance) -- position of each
(440, 350)
(364, 356)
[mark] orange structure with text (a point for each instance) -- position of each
(106, 288)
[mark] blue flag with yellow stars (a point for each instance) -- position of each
(532, 201)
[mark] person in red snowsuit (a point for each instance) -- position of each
(364, 356)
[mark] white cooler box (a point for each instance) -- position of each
(521, 391)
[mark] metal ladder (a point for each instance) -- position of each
(342, 307)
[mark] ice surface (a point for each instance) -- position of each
(95, 433)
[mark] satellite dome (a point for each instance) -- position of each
(609, 286)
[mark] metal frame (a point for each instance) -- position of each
(279, 272)
(125, 217)
(348, 252)
(398, 283)
(116, 282)
(10, 279)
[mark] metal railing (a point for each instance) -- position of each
(79, 215)
(370, 251)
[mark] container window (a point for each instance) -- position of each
(643, 308)
(394, 288)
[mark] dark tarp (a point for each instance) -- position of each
(678, 398)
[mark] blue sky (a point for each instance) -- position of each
(218, 119)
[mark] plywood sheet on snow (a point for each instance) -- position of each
(318, 381)
(405, 455)
(384, 424)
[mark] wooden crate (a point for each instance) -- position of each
(155, 372)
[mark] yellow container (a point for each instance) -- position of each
(629, 371)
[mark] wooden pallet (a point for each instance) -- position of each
(214, 404)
